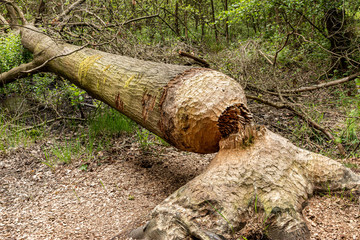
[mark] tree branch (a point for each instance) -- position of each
(313, 25)
(18, 72)
(57, 56)
(122, 24)
(30, 68)
(303, 116)
(61, 16)
(266, 57)
(3, 20)
(199, 60)
(282, 47)
(323, 85)
(79, 24)
(11, 7)
(140, 18)
(49, 121)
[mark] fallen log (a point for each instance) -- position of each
(178, 103)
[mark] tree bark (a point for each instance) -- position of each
(178, 103)
(267, 179)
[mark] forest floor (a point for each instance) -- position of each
(118, 190)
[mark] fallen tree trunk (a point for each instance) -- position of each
(255, 175)
(178, 103)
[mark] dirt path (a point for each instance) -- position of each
(117, 192)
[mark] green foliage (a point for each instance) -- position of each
(110, 122)
(75, 94)
(349, 134)
(143, 137)
(66, 152)
(12, 53)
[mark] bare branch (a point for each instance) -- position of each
(76, 24)
(266, 57)
(323, 85)
(17, 72)
(96, 16)
(303, 116)
(140, 18)
(61, 16)
(3, 20)
(199, 60)
(14, 10)
(50, 121)
(121, 25)
(312, 24)
(282, 47)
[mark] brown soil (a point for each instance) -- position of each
(117, 192)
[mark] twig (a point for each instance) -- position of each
(303, 116)
(199, 60)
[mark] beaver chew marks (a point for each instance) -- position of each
(234, 119)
